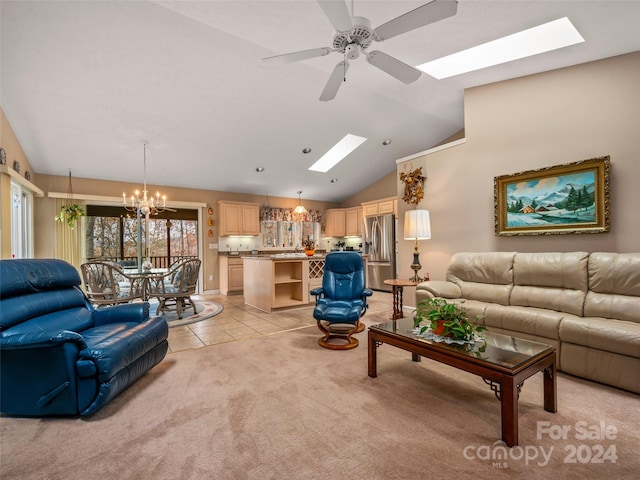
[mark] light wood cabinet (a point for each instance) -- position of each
(344, 222)
(336, 222)
(231, 275)
(272, 284)
(380, 207)
(239, 218)
(353, 224)
(370, 209)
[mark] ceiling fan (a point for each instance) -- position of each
(354, 35)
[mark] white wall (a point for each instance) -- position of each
(553, 118)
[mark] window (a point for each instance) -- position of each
(112, 234)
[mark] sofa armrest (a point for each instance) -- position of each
(40, 339)
(439, 288)
(38, 373)
(125, 312)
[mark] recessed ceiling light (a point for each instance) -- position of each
(387, 141)
(306, 150)
(334, 180)
(339, 151)
(543, 38)
(260, 169)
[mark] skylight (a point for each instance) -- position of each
(339, 151)
(543, 38)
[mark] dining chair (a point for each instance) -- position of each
(174, 289)
(106, 283)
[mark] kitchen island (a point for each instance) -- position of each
(273, 282)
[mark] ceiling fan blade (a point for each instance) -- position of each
(394, 67)
(337, 13)
(334, 82)
(295, 56)
(421, 16)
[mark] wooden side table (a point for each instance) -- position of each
(397, 286)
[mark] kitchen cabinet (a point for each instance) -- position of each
(276, 283)
(336, 222)
(380, 207)
(344, 222)
(353, 224)
(231, 275)
(239, 218)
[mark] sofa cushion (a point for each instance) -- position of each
(40, 309)
(556, 281)
(486, 276)
(606, 334)
(539, 322)
(552, 269)
(614, 283)
(114, 346)
(25, 276)
(558, 299)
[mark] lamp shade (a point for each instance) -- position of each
(417, 225)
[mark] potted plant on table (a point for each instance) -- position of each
(445, 320)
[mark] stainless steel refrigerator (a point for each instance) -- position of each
(380, 245)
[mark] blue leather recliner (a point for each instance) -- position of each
(58, 354)
(342, 299)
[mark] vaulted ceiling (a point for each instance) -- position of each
(85, 84)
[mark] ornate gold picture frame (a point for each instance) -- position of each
(569, 198)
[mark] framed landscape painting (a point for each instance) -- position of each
(570, 198)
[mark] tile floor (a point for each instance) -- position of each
(239, 321)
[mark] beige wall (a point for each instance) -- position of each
(558, 117)
(12, 147)
(45, 211)
(13, 151)
(383, 188)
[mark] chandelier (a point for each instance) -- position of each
(145, 205)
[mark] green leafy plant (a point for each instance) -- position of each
(70, 214)
(446, 320)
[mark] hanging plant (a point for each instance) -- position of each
(70, 212)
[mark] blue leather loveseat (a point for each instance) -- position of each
(58, 354)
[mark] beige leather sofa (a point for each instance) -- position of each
(586, 305)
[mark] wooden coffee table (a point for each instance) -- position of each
(504, 363)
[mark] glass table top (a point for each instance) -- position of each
(496, 349)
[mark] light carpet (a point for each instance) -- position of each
(205, 309)
(281, 407)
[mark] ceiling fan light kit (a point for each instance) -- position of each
(354, 35)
